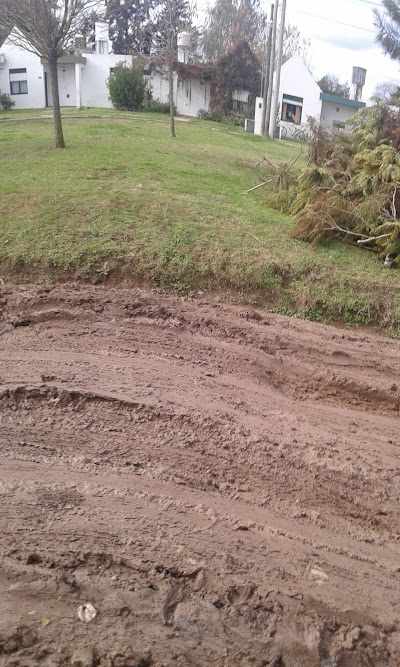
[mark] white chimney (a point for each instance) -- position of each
(183, 47)
(101, 37)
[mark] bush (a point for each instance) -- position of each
(234, 119)
(6, 102)
(155, 105)
(217, 116)
(126, 87)
(350, 189)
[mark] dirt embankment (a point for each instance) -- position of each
(221, 484)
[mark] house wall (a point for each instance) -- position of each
(331, 111)
(94, 91)
(16, 58)
(159, 85)
(296, 80)
(191, 96)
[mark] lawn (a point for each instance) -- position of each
(126, 200)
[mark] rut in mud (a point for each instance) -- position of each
(222, 484)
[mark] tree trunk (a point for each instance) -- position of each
(171, 101)
(171, 83)
(58, 130)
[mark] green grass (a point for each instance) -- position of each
(84, 112)
(126, 200)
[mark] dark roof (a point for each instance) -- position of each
(241, 46)
(194, 70)
(344, 101)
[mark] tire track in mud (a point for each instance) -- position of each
(221, 483)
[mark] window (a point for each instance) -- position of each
(292, 108)
(18, 81)
(338, 126)
(239, 106)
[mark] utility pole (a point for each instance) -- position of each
(271, 71)
(267, 73)
(275, 105)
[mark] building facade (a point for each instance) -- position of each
(300, 98)
(83, 75)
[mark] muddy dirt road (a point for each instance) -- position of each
(221, 484)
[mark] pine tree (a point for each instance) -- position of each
(229, 22)
(388, 26)
(331, 84)
(169, 14)
(140, 26)
(131, 25)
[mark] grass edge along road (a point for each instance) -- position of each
(126, 201)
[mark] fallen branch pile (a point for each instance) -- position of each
(351, 188)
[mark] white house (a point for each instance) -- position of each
(82, 78)
(300, 98)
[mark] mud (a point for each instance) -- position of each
(221, 484)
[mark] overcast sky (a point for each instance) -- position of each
(336, 48)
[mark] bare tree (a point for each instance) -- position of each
(170, 55)
(47, 28)
(387, 92)
(169, 18)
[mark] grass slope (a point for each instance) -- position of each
(126, 199)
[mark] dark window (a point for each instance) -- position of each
(238, 105)
(18, 81)
(19, 87)
(338, 125)
(291, 113)
(292, 109)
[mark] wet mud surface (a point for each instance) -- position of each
(220, 483)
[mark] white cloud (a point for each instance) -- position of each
(336, 48)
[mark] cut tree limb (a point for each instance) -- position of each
(373, 238)
(260, 185)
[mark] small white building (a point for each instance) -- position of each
(83, 74)
(300, 98)
(84, 70)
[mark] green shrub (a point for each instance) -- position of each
(155, 105)
(6, 102)
(217, 116)
(234, 119)
(126, 87)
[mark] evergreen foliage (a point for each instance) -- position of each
(351, 187)
(331, 84)
(126, 87)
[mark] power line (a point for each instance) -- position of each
(325, 18)
(369, 2)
